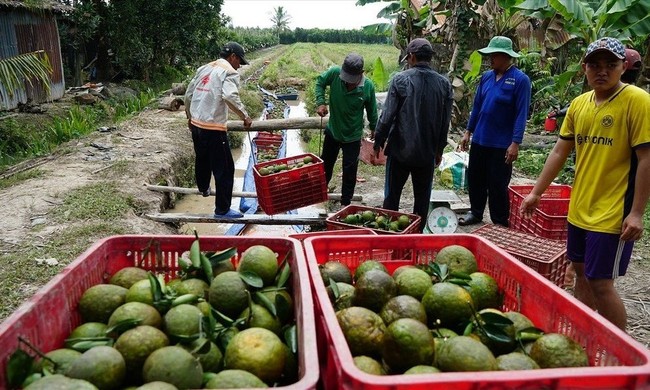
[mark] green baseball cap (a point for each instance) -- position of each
(499, 44)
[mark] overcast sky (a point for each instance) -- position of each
(336, 14)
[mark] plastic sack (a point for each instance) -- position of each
(367, 153)
(453, 170)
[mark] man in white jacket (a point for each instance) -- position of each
(213, 90)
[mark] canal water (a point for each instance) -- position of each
(193, 204)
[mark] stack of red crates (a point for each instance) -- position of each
(550, 218)
(292, 188)
(265, 140)
(547, 257)
(616, 360)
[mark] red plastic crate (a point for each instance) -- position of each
(617, 361)
(265, 140)
(51, 314)
(550, 218)
(268, 135)
(547, 257)
(345, 232)
(290, 189)
(334, 222)
(380, 255)
(266, 144)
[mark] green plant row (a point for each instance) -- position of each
(19, 142)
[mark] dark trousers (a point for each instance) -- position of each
(422, 179)
(330, 153)
(488, 177)
(213, 157)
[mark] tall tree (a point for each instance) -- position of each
(171, 32)
(280, 20)
(406, 22)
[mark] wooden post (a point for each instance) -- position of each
(315, 123)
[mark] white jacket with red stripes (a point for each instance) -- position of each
(213, 89)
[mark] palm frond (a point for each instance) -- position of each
(29, 67)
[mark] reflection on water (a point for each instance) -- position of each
(192, 204)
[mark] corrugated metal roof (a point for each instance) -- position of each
(42, 5)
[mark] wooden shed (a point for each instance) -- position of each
(27, 27)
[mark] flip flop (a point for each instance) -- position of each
(360, 179)
(468, 219)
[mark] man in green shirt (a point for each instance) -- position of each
(350, 93)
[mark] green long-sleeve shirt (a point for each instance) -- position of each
(346, 108)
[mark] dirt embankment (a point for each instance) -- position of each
(151, 148)
(144, 150)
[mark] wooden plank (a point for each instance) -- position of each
(315, 123)
(259, 219)
(240, 194)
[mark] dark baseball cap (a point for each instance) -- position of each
(418, 45)
(234, 47)
(611, 45)
(352, 69)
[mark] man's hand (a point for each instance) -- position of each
(464, 142)
(632, 228)
(529, 205)
(376, 149)
(512, 153)
(322, 110)
(248, 122)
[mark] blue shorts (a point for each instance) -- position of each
(604, 254)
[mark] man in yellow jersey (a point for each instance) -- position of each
(213, 90)
(609, 127)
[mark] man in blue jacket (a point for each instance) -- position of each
(496, 126)
(413, 127)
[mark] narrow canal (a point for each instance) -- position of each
(199, 204)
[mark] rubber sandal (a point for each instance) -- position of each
(229, 214)
(468, 219)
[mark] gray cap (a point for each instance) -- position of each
(352, 69)
(418, 45)
(234, 47)
(608, 44)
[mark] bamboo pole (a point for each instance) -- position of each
(258, 219)
(240, 194)
(315, 123)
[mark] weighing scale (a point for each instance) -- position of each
(441, 219)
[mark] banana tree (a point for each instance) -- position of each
(408, 23)
(28, 67)
(502, 17)
(590, 20)
(586, 21)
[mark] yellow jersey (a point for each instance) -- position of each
(605, 137)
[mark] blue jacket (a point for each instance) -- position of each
(500, 109)
(415, 117)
